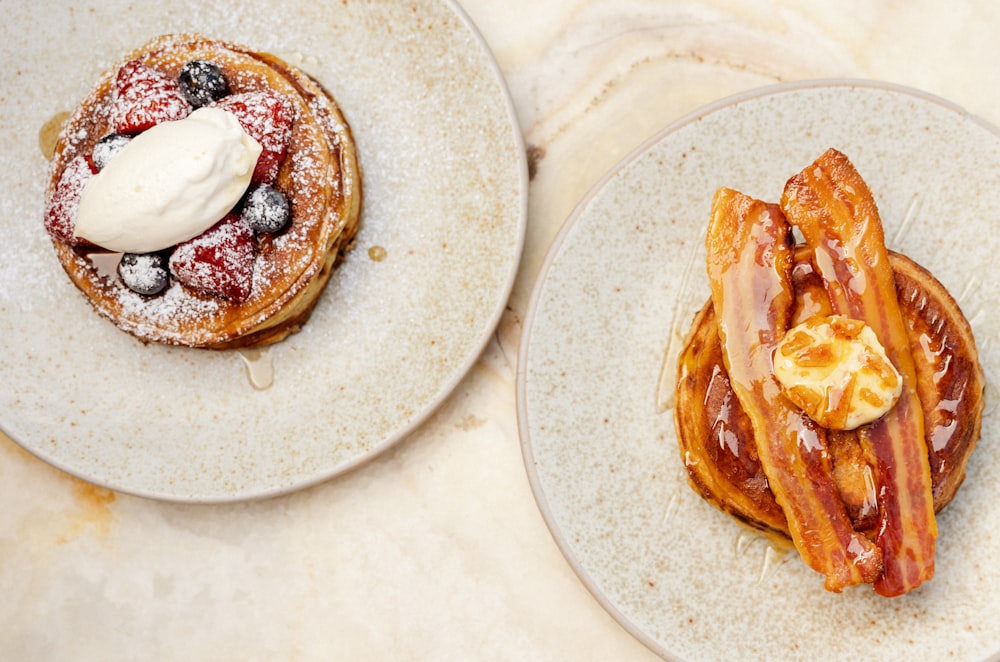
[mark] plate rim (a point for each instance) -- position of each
(504, 292)
(445, 388)
(555, 250)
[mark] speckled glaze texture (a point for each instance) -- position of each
(444, 211)
(617, 292)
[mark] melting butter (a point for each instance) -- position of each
(836, 370)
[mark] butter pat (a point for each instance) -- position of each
(169, 184)
(836, 370)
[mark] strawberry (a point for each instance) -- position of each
(267, 117)
(143, 97)
(62, 207)
(219, 261)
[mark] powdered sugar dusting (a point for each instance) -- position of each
(108, 147)
(143, 97)
(144, 315)
(219, 261)
(155, 316)
(268, 117)
(144, 274)
(261, 122)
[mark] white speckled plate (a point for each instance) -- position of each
(445, 197)
(616, 294)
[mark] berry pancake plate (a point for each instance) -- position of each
(597, 365)
(402, 320)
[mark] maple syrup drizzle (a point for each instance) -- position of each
(666, 387)
(260, 367)
(910, 216)
(773, 552)
(106, 264)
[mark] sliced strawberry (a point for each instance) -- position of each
(61, 209)
(143, 97)
(219, 261)
(267, 117)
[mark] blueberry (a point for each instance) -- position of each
(202, 82)
(266, 209)
(144, 273)
(107, 147)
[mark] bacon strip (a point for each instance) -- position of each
(749, 266)
(836, 212)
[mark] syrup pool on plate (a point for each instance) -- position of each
(48, 135)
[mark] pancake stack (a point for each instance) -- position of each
(313, 166)
(731, 464)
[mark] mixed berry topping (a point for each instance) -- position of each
(143, 97)
(267, 117)
(220, 261)
(145, 273)
(62, 207)
(107, 147)
(202, 82)
(266, 209)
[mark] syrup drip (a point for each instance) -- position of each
(667, 384)
(671, 509)
(260, 367)
(870, 504)
(106, 264)
(377, 253)
(773, 552)
(48, 135)
(910, 216)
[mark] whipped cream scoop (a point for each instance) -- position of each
(169, 184)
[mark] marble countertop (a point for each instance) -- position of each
(436, 550)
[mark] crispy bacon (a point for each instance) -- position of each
(836, 212)
(749, 266)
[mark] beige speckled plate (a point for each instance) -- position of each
(445, 186)
(616, 294)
